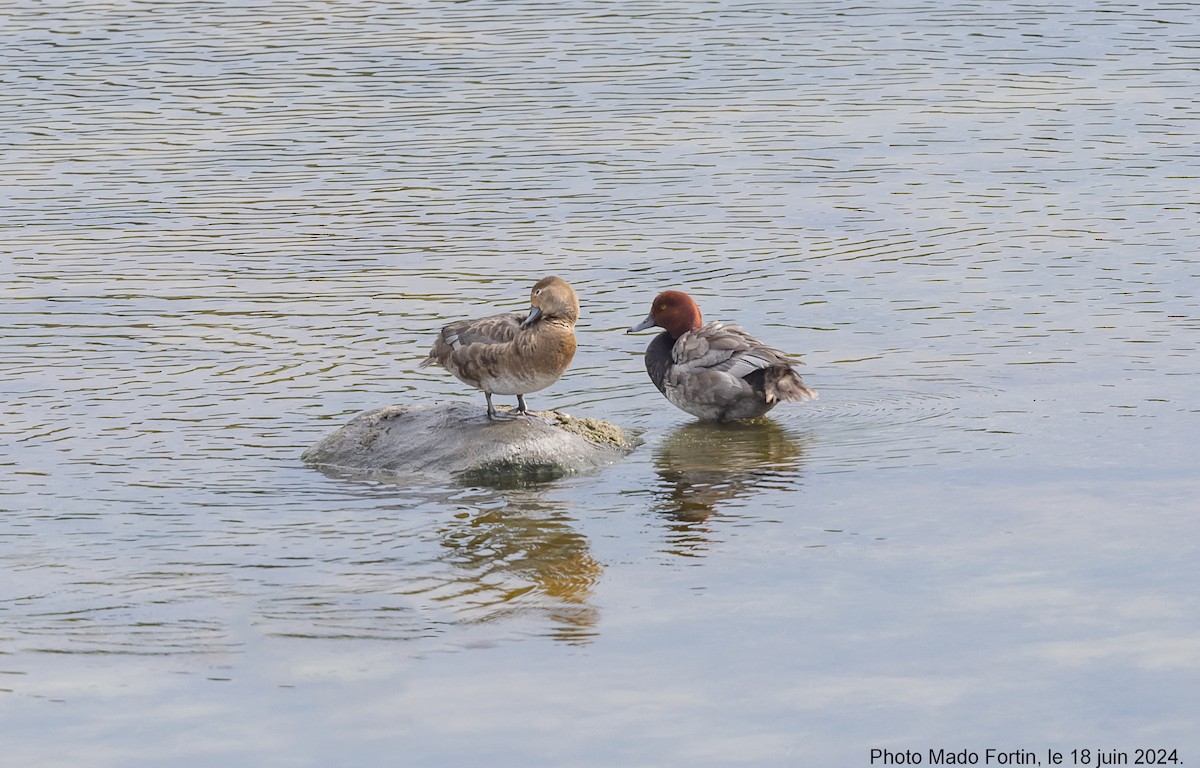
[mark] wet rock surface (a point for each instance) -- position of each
(457, 440)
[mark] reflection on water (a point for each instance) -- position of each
(505, 552)
(520, 557)
(706, 469)
(375, 569)
(487, 557)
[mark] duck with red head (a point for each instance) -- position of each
(715, 371)
(512, 353)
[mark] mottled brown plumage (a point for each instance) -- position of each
(513, 354)
(715, 371)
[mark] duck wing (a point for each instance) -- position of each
(727, 350)
(494, 329)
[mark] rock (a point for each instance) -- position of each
(457, 439)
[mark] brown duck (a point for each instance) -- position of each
(511, 353)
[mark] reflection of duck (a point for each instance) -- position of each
(511, 354)
(703, 466)
(519, 559)
(716, 371)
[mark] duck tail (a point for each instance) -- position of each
(783, 383)
(444, 346)
(438, 354)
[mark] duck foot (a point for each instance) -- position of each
(506, 416)
(522, 411)
(494, 415)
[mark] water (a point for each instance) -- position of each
(228, 227)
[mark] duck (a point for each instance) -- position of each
(512, 353)
(715, 371)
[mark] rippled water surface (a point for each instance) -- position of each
(230, 226)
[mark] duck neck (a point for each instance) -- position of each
(558, 320)
(684, 321)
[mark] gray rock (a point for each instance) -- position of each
(457, 439)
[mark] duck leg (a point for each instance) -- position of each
(521, 408)
(495, 415)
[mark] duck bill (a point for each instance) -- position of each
(647, 323)
(534, 314)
